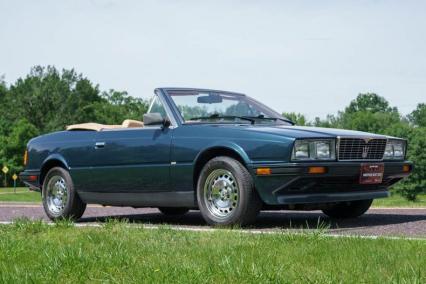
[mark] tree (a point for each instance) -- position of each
(50, 99)
(297, 118)
(13, 145)
(418, 116)
(47, 100)
(416, 182)
(3, 89)
(331, 121)
(369, 102)
(368, 112)
(117, 106)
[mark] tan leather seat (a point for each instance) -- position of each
(130, 123)
(92, 126)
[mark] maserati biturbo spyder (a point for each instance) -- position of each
(223, 153)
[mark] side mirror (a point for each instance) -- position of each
(155, 118)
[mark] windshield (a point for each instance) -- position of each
(217, 107)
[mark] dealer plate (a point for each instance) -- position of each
(371, 173)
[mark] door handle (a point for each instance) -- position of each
(99, 145)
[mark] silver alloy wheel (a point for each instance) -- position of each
(221, 193)
(57, 195)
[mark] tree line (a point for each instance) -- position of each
(48, 99)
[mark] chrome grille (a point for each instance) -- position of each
(361, 149)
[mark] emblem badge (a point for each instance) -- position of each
(365, 151)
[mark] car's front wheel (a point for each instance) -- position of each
(226, 194)
(351, 209)
(60, 200)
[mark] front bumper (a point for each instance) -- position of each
(291, 183)
(31, 179)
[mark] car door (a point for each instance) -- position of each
(132, 160)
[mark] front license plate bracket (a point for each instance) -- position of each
(371, 173)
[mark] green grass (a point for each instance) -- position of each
(22, 194)
(34, 252)
(398, 201)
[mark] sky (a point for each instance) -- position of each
(311, 57)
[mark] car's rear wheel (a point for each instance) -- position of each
(351, 209)
(226, 193)
(173, 211)
(60, 200)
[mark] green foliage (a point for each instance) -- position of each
(331, 122)
(418, 116)
(297, 118)
(47, 100)
(13, 145)
(368, 112)
(416, 182)
(369, 102)
(117, 106)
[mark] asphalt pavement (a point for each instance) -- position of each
(395, 222)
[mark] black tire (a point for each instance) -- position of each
(73, 207)
(351, 209)
(248, 203)
(173, 211)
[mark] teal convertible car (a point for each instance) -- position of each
(223, 153)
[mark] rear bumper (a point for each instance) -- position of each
(31, 179)
(292, 183)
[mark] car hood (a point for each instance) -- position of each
(310, 132)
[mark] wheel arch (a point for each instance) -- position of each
(51, 162)
(229, 150)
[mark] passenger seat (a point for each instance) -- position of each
(130, 123)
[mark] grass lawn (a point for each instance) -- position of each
(22, 194)
(36, 252)
(397, 200)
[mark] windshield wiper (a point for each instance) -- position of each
(261, 116)
(218, 116)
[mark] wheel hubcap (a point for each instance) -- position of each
(221, 193)
(56, 195)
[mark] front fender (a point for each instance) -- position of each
(228, 145)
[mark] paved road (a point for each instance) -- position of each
(376, 222)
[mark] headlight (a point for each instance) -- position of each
(395, 150)
(301, 150)
(314, 150)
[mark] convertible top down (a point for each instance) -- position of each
(222, 153)
(128, 123)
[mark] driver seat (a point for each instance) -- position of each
(130, 123)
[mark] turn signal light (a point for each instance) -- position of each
(25, 157)
(317, 170)
(406, 168)
(263, 171)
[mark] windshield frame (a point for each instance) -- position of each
(279, 119)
